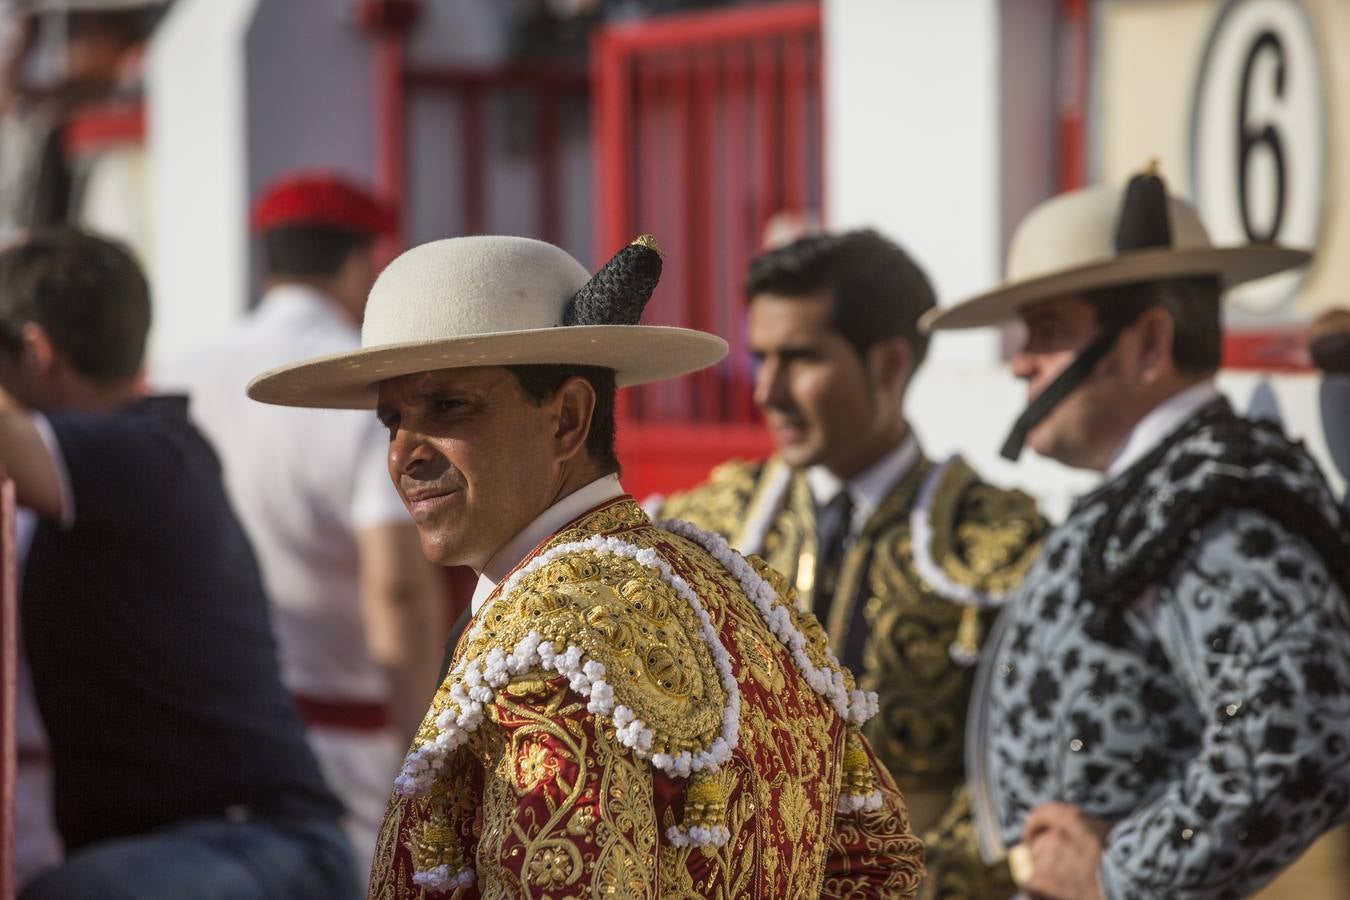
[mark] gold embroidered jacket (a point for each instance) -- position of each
(914, 596)
(639, 712)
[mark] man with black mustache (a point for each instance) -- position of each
(902, 560)
(634, 710)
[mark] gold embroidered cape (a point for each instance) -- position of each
(914, 597)
(560, 757)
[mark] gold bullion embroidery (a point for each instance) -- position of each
(622, 614)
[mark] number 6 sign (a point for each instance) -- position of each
(1258, 139)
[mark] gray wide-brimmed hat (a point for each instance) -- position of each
(1096, 238)
(1069, 244)
(497, 301)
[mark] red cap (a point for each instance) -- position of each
(321, 199)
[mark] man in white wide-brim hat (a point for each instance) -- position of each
(1164, 707)
(631, 703)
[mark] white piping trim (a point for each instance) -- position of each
(851, 803)
(698, 836)
(855, 707)
(764, 508)
(441, 879)
(921, 536)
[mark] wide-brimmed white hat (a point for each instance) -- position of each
(1068, 245)
(486, 301)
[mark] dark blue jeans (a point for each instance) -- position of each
(210, 859)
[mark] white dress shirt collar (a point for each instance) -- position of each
(538, 531)
(1160, 422)
(869, 488)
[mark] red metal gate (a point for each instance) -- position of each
(9, 657)
(707, 126)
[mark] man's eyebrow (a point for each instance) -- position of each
(787, 350)
(810, 348)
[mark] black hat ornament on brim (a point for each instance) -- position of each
(620, 290)
(1144, 222)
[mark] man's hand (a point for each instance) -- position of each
(1066, 851)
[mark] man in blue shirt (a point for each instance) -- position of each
(180, 763)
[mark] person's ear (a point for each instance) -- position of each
(890, 363)
(575, 406)
(1157, 333)
(39, 353)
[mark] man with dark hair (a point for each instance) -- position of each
(359, 614)
(180, 764)
(540, 383)
(635, 710)
(1164, 707)
(902, 560)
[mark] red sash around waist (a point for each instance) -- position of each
(354, 715)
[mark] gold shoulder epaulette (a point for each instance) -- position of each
(973, 542)
(631, 638)
(595, 605)
(720, 503)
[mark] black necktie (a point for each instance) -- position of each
(833, 527)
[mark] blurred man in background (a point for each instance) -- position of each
(1164, 708)
(180, 763)
(359, 612)
(60, 57)
(902, 560)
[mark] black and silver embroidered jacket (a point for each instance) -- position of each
(1178, 662)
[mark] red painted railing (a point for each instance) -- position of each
(707, 126)
(9, 662)
(472, 91)
(1075, 35)
(549, 89)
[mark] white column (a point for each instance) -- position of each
(240, 92)
(941, 134)
(198, 182)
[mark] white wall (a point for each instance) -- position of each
(940, 133)
(198, 188)
(239, 92)
(911, 134)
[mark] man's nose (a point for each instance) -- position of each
(408, 452)
(770, 384)
(1024, 365)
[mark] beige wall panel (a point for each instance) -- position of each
(1149, 54)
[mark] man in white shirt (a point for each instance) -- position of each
(359, 613)
(903, 560)
(1164, 707)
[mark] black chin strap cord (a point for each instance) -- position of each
(1065, 384)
